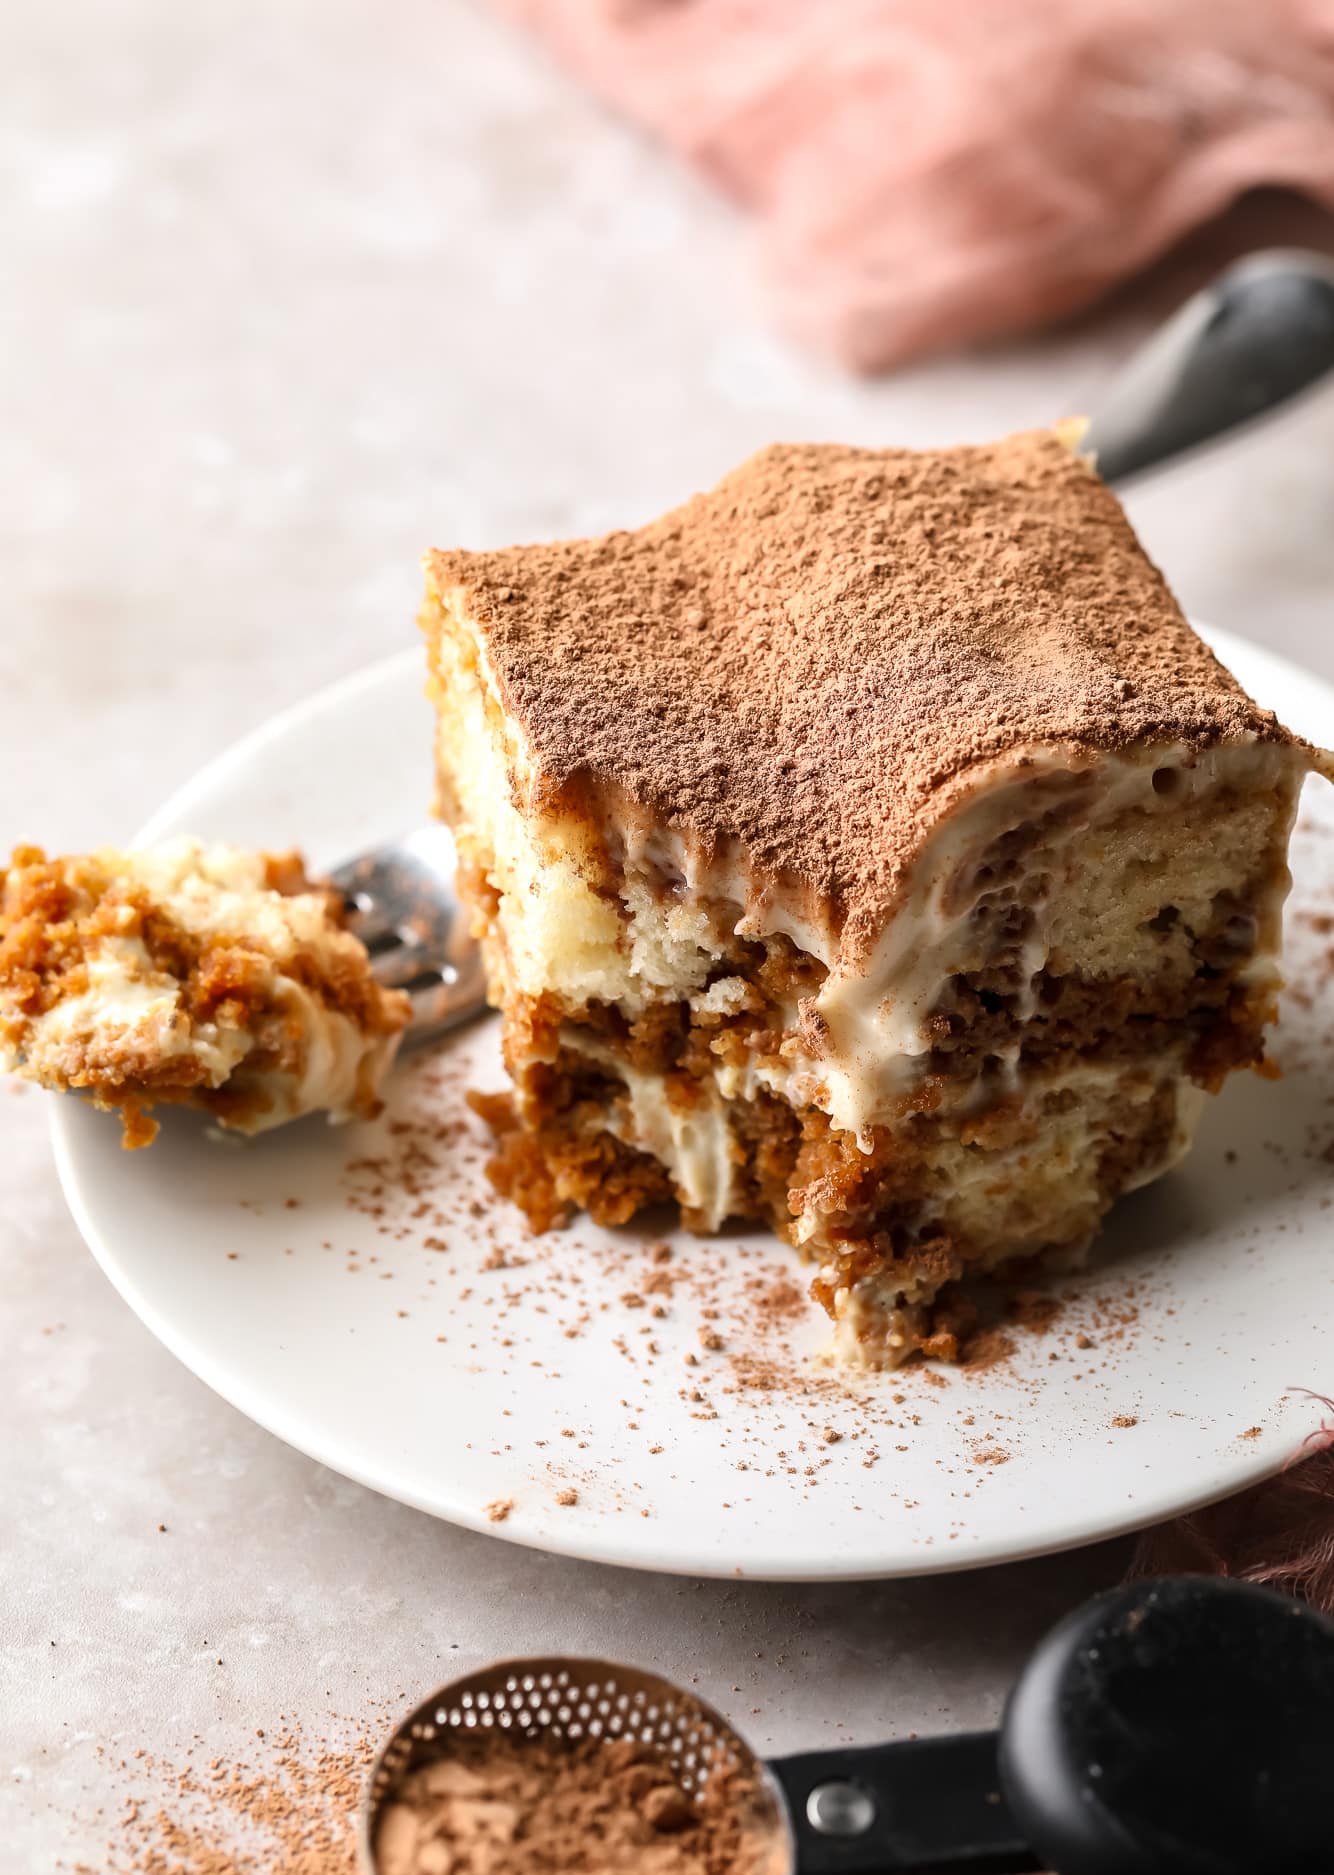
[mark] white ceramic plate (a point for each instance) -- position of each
(360, 1293)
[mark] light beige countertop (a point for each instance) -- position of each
(290, 294)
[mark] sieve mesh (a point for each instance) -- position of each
(563, 1697)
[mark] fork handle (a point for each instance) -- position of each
(1259, 335)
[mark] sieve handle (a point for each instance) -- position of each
(928, 1803)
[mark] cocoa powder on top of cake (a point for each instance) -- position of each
(810, 658)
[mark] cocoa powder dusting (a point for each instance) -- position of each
(500, 1805)
(809, 659)
(988, 1348)
(289, 1808)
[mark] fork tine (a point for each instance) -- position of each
(371, 924)
(370, 890)
(380, 939)
(405, 966)
(401, 903)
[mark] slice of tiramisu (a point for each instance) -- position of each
(869, 846)
(189, 973)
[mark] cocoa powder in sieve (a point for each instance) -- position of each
(501, 1805)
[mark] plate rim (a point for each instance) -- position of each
(1075, 1530)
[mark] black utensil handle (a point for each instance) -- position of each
(1259, 335)
(934, 1803)
(1183, 1726)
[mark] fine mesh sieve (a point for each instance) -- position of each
(573, 1698)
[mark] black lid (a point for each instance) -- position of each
(1177, 1727)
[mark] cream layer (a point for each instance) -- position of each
(1050, 1153)
(1055, 1187)
(1084, 851)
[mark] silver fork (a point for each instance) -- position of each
(1256, 337)
(401, 902)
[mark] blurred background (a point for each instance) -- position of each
(293, 292)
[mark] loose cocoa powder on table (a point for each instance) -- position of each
(285, 1806)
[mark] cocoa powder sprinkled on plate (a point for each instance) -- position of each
(716, 1335)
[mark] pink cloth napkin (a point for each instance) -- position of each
(1281, 1533)
(930, 172)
